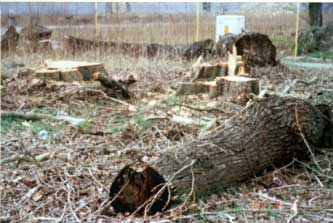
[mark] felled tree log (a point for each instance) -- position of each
(111, 84)
(256, 49)
(196, 49)
(75, 44)
(266, 133)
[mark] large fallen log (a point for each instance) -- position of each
(9, 39)
(267, 133)
(75, 45)
(196, 49)
(255, 48)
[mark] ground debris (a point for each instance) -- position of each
(73, 167)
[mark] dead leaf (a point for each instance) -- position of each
(29, 182)
(38, 195)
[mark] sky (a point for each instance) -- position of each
(83, 8)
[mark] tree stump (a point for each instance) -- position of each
(47, 74)
(70, 75)
(266, 133)
(210, 71)
(197, 87)
(87, 69)
(237, 88)
(69, 71)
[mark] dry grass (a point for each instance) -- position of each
(171, 28)
(72, 182)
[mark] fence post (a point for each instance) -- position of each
(96, 20)
(296, 30)
(197, 22)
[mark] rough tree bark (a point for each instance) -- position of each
(266, 133)
(315, 14)
(112, 84)
(256, 49)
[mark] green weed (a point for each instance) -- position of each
(85, 125)
(117, 124)
(141, 121)
(322, 54)
(11, 123)
(170, 101)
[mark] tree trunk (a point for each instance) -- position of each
(266, 133)
(315, 14)
(237, 88)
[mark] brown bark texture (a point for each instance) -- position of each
(256, 49)
(9, 39)
(264, 134)
(267, 133)
(74, 45)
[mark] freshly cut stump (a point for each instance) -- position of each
(87, 69)
(46, 74)
(211, 71)
(198, 87)
(135, 185)
(70, 75)
(69, 71)
(265, 134)
(237, 88)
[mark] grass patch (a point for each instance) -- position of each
(328, 54)
(141, 121)
(170, 101)
(44, 110)
(272, 213)
(16, 125)
(117, 124)
(85, 125)
(10, 123)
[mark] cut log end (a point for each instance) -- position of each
(134, 190)
(237, 88)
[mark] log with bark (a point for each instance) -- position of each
(256, 49)
(75, 44)
(113, 85)
(267, 133)
(199, 48)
